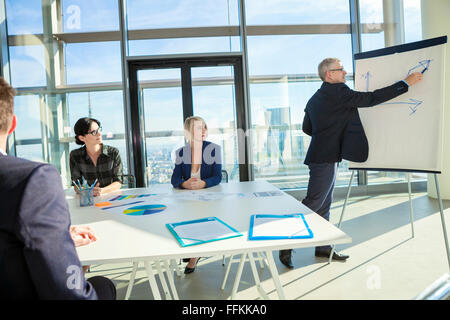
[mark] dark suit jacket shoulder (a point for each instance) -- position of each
(332, 120)
(210, 169)
(38, 259)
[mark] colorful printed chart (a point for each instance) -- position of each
(103, 204)
(132, 196)
(144, 209)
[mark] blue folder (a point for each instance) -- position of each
(185, 242)
(302, 226)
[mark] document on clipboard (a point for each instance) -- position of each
(200, 231)
(271, 227)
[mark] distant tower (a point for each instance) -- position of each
(89, 105)
(279, 121)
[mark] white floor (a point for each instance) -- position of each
(385, 261)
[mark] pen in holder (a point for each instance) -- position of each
(86, 198)
(86, 192)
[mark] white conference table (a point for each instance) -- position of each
(124, 238)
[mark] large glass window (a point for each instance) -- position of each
(26, 51)
(283, 76)
(24, 17)
(65, 64)
(93, 62)
(28, 132)
(90, 16)
(388, 23)
(413, 21)
(91, 45)
(182, 26)
(27, 66)
(371, 17)
(294, 12)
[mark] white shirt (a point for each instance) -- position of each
(195, 174)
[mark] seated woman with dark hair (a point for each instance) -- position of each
(95, 160)
(198, 165)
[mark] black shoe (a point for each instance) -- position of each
(286, 258)
(336, 255)
(190, 270)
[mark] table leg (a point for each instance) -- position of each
(152, 280)
(261, 260)
(342, 213)
(275, 276)
(441, 209)
(227, 272)
(176, 267)
(171, 282)
(163, 280)
(238, 276)
(131, 282)
(256, 277)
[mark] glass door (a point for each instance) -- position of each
(213, 97)
(164, 92)
(161, 98)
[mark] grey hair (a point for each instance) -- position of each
(324, 66)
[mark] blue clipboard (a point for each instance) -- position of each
(227, 231)
(304, 232)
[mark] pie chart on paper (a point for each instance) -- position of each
(144, 209)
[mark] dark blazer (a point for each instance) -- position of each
(332, 120)
(38, 259)
(210, 169)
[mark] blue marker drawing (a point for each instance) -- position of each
(366, 76)
(413, 110)
(413, 102)
(424, 65)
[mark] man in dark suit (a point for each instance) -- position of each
(38, 259)
(332, 120)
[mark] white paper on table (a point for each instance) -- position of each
(260, 194)
(272, 193)
(200, 195)
(213, 196)
(279, 227)
(203, 231)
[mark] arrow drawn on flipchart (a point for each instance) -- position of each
(414, 104)
(424, 64)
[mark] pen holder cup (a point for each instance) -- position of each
(86, 198)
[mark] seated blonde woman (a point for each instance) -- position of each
(198, 164)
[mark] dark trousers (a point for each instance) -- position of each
(322, 177)
(104, 288)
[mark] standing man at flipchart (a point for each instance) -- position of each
(332, 120)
